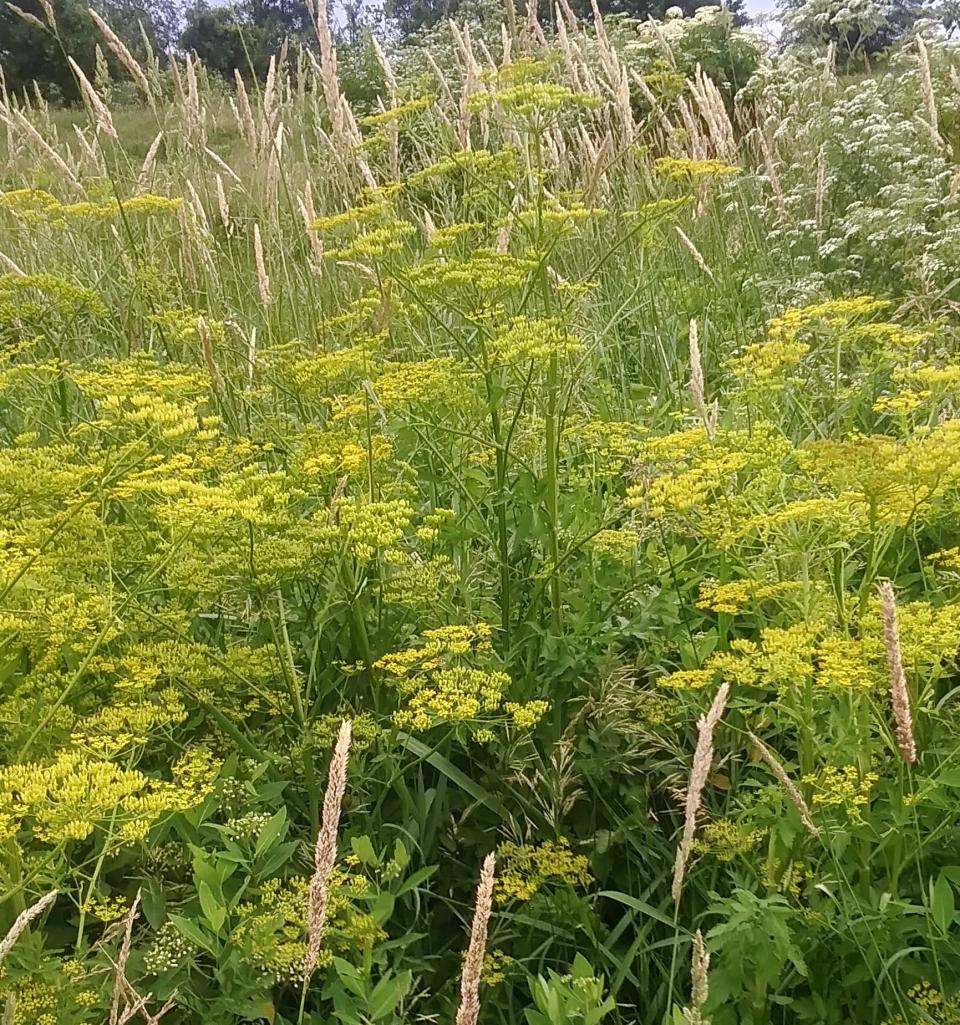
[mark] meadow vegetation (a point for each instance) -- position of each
(555, 457)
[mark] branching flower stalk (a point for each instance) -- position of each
(120, 985)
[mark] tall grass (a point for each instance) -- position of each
(514, 421)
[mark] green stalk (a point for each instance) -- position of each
(290, 673)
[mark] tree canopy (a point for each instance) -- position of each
(861, 27)
(33, 50)
(243, 35)
(411, 15)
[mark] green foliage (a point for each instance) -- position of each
(857, 29)
(243, 35)
(517, 416)
(33, 50)
(574, 999)
(29, 50)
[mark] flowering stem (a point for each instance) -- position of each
(552, 439)
(552, 442)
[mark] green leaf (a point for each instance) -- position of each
(382, 907)
(271, 832)
(415, 879)
(449, 770)
(189, 929)
(387, 994)
(638, 905)
(362, 847)
(279, 857)
(942, 904)
(214, 912)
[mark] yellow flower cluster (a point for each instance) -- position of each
(767, 364)
(436, 687)
(735, 595)
(374, 210)
(452, 695)
(374, 243)
(533, 100)
(524, 869)
(449, 234)
(483, 271)
(609, 445)
(528, 340)
(618, 545)
(526, 716)
(400, 385)
(474, 165)
(29, 296)
(272, 930)
(834, 313)
(34, 204)
(495, 966)
(727, 839)
(71, 796)
(683, 168)
(844, 788)
(401, 112)
(371, 527)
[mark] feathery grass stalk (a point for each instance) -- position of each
(12, 266)
(244, 113)
(149, 162)
(473, 962)
(17, 118)
(821, 190)
(899, 692)
(100, 111)
(796, 798)
(223, 204)
(263, 281)
(700, 983)
(770, 166)
(123, 55)
(23, 920)
(186, 247)
(702, 757)
(206, 348)
(695, 253)
(325, 850)
(251, 355)
(707, 415)
(927, 93)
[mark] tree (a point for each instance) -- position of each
(410, 15)
(32, 50)
(857, 26)
(243, 34)
(216, 36)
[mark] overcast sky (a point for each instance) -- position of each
(755, 7)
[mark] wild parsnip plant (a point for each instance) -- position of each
(573, 437)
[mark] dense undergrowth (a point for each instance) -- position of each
(513, 423)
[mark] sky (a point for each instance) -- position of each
(757, 7)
